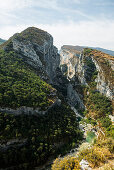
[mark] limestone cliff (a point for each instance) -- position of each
(72, 59)
(36, 47)
(105, 67)
(81, 64)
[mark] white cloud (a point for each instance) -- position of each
(88, 33)
(13, 4)
(79, 1)
(105, 4)
(7, 6)
(10, 5)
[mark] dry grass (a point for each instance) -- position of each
(95, 156)
(66, 163)
(108, 166)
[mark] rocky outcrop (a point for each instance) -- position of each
(64, 86)
(85, 165)
(74, 63)
(104, 86)
(36, 48)
(73, 97)
(13, 143)
(29, 110)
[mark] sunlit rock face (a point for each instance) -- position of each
(74, 64)
(37, 49)
(104, 85)
(73, 61)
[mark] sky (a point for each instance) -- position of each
(70, 22)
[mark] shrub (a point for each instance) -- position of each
(108, 166)
(110, 131)
(66, 163)
(99, 106)
(106, 122)
(87, 51)
(95, 156)
(107, 143)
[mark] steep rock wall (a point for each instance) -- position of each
(71, 64)
(104, 86)
(36, 47)
(74, 62)
(77, 66)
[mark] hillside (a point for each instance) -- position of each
(21, 86)
(51, 103)
(36, 122)
(91, 74)
(80, 48)
(110, 52)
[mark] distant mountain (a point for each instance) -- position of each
(110, 52)
(1, 41)
(80, 48)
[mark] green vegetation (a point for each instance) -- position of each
(89, 120)
(34, 35)
(28, 141)
(106, 143)
(20, 85)
(66, 163)
(97, 114)
(87, 51)
(34, 137)
(98, 104)
(48, 134)
(99, 108)
(95, 155)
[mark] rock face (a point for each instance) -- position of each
(63, 85)
(85, 165)
(73, 60)
(104, 86)
(37, 49)
(74, 63)
(74, 98)
(29, 110)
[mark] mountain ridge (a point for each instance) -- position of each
(80, 48)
